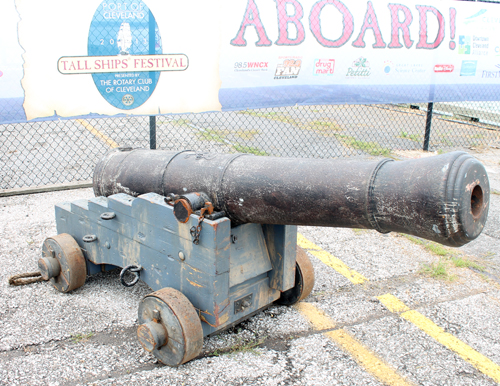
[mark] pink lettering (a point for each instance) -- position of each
(397, 25)
(315, 23)
(422, 42)
(284, 20)
(251, 18)
(370, 22)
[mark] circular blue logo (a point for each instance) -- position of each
(387, 69)
(118, 32)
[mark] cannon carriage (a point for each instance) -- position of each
(215, 235)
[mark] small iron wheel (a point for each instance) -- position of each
(63, 263)
(170, 327)
(304, 280)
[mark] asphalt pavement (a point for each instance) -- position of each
(378, 314)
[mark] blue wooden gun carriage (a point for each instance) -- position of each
(215, 235)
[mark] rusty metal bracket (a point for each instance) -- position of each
(196, 230)
(242, 304)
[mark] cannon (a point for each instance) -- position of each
(215, 235)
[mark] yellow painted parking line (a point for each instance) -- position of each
(330, 260)
(362, 355)
(479, 361)
(97, 133)
(306, 244)
(393, 304)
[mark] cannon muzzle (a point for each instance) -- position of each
(442, 198)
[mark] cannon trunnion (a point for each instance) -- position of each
(215, 235)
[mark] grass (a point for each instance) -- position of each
(241, 347)
(248, 149)
(274, 115)
(81, 337)
(448, 258)
(463, 262)
(323, 127)
(445, 140)
(246, 134)
(214, 135)
(371, 148)
(413, 137)
(437, 270)
(493, 191)
(221, 137)
(358, 231)
(180, 121)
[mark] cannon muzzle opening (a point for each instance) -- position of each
(442, 198)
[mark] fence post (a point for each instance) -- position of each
(152, 132)
(428, 123)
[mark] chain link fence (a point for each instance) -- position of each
(63, 151)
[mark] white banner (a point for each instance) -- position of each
(66, 58)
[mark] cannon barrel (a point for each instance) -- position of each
(442, 198)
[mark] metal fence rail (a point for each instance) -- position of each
(63, 151)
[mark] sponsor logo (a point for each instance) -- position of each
(391, 68)
(444, 68)
(360, 68)
(475, 45)
(496, 50)
(468, 68)
(475, 17)
(324, 67)
(289, 68)
(388, 67)
(491, 74)
(482, 18)
(464, 45)
(251, 66)
(1, 74)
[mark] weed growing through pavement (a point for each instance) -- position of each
(214, 135)
(248, 149)
(372, 148)
(437, 270)
(81, 337)
(448, 257)
(413, 137)
(180, 122)
(241, 347)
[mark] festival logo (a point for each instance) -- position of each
(444, 68)
(324, 67)
(251, 66)
(360, 68)
(468, 68)
(289, 68)
(124, 54)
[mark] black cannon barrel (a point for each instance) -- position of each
(443, 198)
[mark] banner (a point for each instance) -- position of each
(63, 58)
